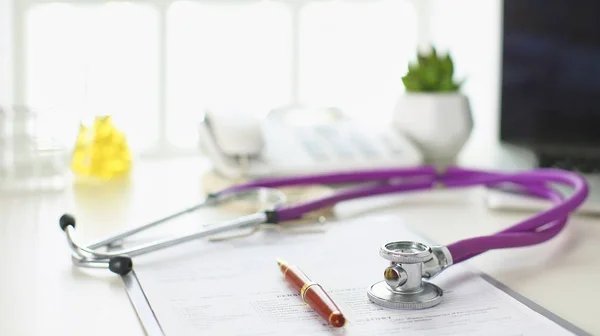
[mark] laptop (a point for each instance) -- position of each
(550, 92)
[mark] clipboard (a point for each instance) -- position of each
(152, 326)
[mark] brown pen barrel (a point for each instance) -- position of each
(295, 276)
(314, 295)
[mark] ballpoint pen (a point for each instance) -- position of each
(313, 294)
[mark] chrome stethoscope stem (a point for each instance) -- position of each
(88, 254)
(120, 236)
(211, 200)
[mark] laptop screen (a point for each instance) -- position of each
(551, 73)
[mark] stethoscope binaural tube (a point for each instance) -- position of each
(536, 229)
(530, 183)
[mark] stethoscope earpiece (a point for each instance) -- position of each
(66, 220)
(120, 265)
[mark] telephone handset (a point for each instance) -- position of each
(242, 146)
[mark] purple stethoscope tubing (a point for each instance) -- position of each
(533, 230)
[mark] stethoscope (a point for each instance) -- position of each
(404, 284)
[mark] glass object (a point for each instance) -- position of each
(101, 151)
(31, 156)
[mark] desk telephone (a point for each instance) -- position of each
(241, 145)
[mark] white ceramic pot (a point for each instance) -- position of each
(438, 123)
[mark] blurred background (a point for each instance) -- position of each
(153, 64)
(531, 68)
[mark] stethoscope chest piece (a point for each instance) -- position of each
(403, 286)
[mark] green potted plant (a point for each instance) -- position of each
(433, 112)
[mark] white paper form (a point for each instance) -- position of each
(235, 288)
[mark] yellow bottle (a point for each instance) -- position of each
(101, 151)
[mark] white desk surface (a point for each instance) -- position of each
(41, 293)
